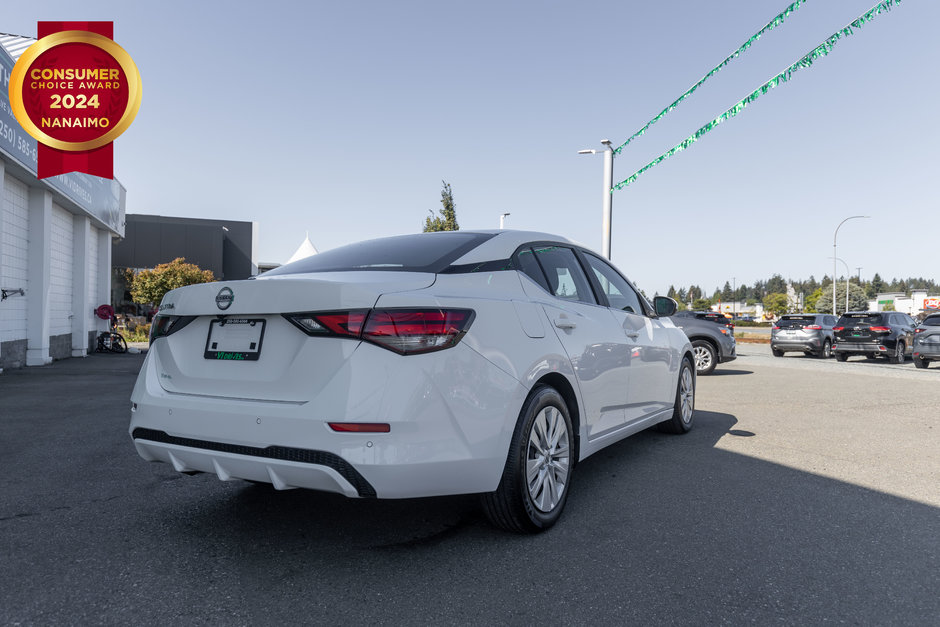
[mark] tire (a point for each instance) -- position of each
(705, 357)
(898, 356)
(842, 356)
(826, 351)
(920, 363)
(527, 505)
(776, 352)
(683, 414)
(118, 343)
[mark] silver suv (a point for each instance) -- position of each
(810, 334)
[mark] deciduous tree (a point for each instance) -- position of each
(149, 286)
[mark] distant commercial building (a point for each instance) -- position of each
(918, 304)
(55, 245)
(226, 247)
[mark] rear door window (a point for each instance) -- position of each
(566, 279)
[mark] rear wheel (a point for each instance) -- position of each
(842, 356)
(705, 357)
(826, 351)
(920, 363)
(118, 343)
(684, 412)
(776, 352)
(534, 486)
(898, 356)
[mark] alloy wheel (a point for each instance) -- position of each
(547, 459)
(686, 395)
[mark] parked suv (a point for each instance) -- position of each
(807, 333)
(927, 341)
(874, 333)
(711, 343)
(712, 316)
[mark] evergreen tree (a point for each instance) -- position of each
(726, 293)
(447, 221)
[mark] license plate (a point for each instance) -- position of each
(234, 339)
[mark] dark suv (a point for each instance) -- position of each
(874, 333)
(807, 333)
(711, 343)
(927, 341)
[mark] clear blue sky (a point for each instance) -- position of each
(342, 118)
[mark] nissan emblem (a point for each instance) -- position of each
(224, 298)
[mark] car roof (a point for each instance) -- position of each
(505, 244)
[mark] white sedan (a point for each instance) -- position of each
(419, 365)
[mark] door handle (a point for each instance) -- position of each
(565, 323)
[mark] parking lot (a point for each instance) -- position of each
(807, 493)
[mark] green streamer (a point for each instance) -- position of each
(747, 44)
(806, 61)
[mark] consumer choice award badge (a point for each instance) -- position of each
(75, 91)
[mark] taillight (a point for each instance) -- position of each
(341, 323)
(167, 325)
(404, 331)
(881, 329)
(838, 328)
(776, 328)
(409, 331)
(813, 327)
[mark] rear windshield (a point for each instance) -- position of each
(931, 321)
(795, 322)
(421, 252)
(852, 319)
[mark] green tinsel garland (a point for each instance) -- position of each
(747, 44)
(821, 50)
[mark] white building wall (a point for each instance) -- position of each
(13, 257)
(60, 275)
(92, 271)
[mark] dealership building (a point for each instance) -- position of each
(55, 245)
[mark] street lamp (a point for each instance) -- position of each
(834, 236)
(502, 219)
(846, 286)
(608, 188)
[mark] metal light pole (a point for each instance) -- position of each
(847, 279)
(608, 188)
(502, 219)
(734, 298)
(834, 236)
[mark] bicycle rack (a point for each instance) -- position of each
(7, 293)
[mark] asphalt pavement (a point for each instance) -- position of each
(807, 493)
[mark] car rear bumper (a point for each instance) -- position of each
(450, 421)
(858, 347)
(796, 345)
(927, 351)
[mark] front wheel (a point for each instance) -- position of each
(705, 357)
(684, 411)
(534, 487)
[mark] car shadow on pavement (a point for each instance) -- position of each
(717, 372)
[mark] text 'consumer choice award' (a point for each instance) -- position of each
(75, 91)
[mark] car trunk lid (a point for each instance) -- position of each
(239, 345)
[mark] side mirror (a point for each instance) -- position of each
(664, 306)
